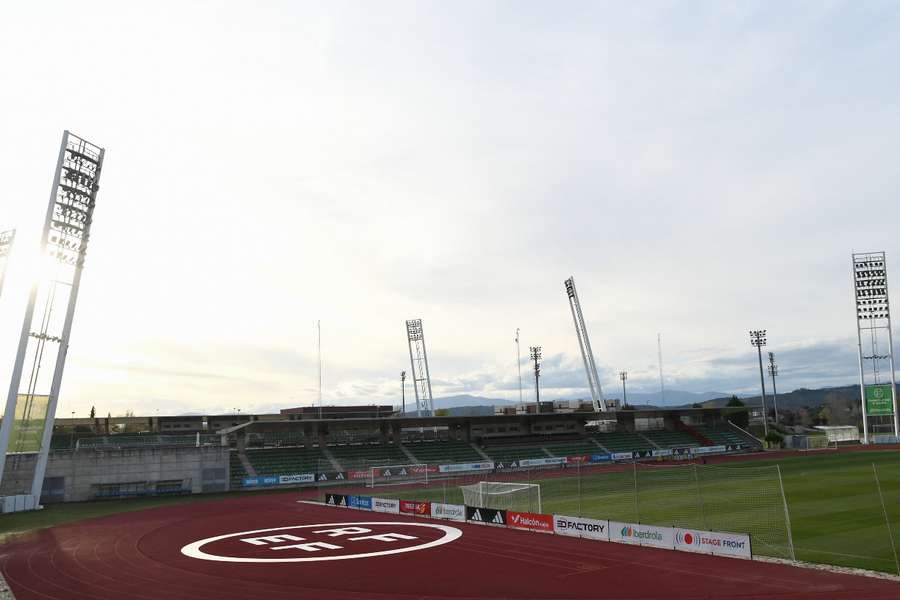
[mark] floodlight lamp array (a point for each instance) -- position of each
(758, 338)
(73, 206)
(870, 279)
(570, 287)
(414, 329)
(6, 242)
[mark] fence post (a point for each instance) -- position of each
(787, 514)
(887, 521)
(578, 474)
(700, 498)
(637, 509)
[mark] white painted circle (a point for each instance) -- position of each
(193, 550)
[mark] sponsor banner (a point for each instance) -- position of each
(451, 512)
(412, 507)
(301, 478)
(529, 521)
(643, 535)
(879, 400)
(595, 458)
(578, 460)
(420, 469)
(360, 502)
(268, 480)
(707, 449)
(336, 500)
(384, 505)
(662, 452)
(485, 516)
(458, 467)
(331, 476)
(541, 462)
(711, 542)
(680, 451)
(643, 453)
(510, 465)
(354, 475)
(251, 481)
(622, 455)
(580, 527)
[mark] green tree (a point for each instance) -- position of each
(741, 418)
(93, 412)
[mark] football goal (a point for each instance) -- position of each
(397, 475)
(524, 497)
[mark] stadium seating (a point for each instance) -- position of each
(286, 461)
(511, 453)
(271, 439)
(573, 448)
(434, 453)
(363, 456)
(623, 441)
(671, 439)
(236, 469)
(723, 435)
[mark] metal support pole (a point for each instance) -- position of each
(787, 514)
(887, 520)
(773, 372)
(519, 365)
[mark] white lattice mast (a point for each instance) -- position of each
(584, 344)
(418, 362)
(32, 401)
(6, 241)
(877, 383)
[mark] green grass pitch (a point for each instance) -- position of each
(834, 507)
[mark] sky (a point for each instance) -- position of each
(700, 168)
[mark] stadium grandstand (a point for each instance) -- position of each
(103, 457)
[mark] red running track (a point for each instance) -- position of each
(138, 555)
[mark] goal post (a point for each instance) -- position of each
(523, 497)
(397, 475)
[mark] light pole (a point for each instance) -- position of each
(519, 364)
(623, 375)
(536, 357)
(773, 372)
(403, 390)
(758, 340)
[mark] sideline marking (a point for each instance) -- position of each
(193, 550)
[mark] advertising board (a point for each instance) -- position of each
(642, 535)
(451, 512)
(581, 527)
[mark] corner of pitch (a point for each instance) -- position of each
(320, 542)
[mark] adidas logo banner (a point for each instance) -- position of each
(336, 499)
(487, 516)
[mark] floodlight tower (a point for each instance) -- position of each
(878, 390)
(6, 241)
(403, 391)
(623, 375)
(536, 357)
(418, 360)
(32, 401)
(758, 340)
(773, 372)
(584, 344)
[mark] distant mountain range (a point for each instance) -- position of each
(799, 398)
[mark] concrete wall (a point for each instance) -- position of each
(76, 476)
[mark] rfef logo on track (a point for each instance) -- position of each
(321, 542)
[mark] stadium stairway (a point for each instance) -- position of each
(412, 459)
(694, 433)
(242, 456)
(337, 466)
(651, 442)
(480, 451)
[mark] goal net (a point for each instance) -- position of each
(397, 475)
(523, 497)
(817, 442)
